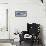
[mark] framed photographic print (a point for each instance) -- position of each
(20, 13)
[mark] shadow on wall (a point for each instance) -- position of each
(41, 35)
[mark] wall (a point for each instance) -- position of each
(35, 13)
(3, 1)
